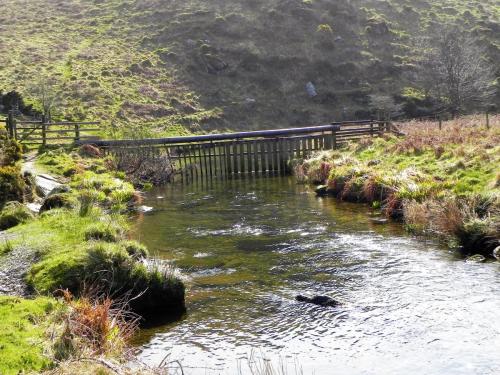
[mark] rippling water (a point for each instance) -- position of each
(249, 247)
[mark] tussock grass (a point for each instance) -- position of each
(440, 181)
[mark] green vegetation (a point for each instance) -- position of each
(14, 213)
(23, 330)
(213, 64)
(12, 185)
(80, 238)
(438, 181)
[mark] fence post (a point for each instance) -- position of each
(371, 128)
(440, 122)
(77, 132)
(487, 120)
(44, 131)
(334, 139)
(10, 124)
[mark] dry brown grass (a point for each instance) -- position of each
(95, 325)
(470, 130)
(474, 221)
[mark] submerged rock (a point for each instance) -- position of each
(145, 209)
(477, 258)
(322, 190)
(324, 301)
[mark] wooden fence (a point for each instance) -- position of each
(42, 132)
(243, 153)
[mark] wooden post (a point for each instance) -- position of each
(242, 157)
(77, 132)
(210, 159)
(249, 157)
(334, 139)
(44, 131)
(440, 122)
(236, 166)
(487, 120)
(263, 167)
(10, 124)
(229, 166)
(191, 162)
(371, 128)
(219, 152)
(255, 157)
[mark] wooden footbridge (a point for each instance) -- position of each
(265, 152)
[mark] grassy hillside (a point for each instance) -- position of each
(173, 66)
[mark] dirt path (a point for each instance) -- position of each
(15, 264)
(13, 269)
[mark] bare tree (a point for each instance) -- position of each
(385, 106)
(453, 68)
(44, 90)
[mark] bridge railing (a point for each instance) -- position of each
(243, 153)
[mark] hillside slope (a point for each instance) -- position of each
(150, 67)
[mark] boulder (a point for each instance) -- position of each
(323, 301)
(311, 90)
(496, 253)
(45, 184)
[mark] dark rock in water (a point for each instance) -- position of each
(322, 190)
(318, 300)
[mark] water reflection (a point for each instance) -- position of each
(248, 247)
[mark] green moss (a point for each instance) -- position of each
(135, 249)
(14, 213)
(107, 232)
(23, 325)
(63, 200)
(68, 261)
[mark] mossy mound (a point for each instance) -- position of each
(107, 232)
(14, 213)
(62, 200)
(117, 268)
(135, 249)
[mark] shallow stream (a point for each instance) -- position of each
(248, 247)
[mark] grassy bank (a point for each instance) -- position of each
(80, 245)
(445, 182)
(80, 237)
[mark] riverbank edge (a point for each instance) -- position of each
(60, 207)
(427, 203)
